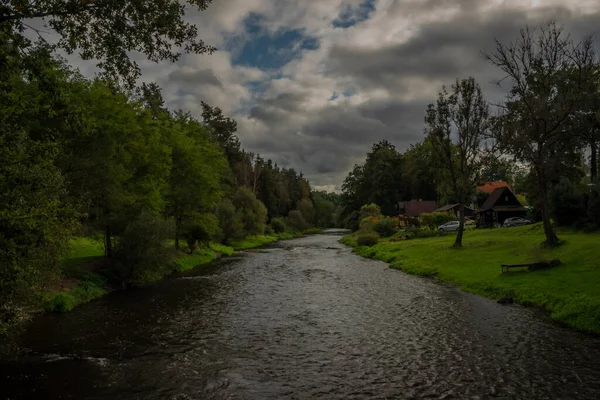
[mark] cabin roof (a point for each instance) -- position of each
(489, 187)
(449, 207)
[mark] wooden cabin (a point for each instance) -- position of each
(500, 205)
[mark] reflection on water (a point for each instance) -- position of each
(305, 319)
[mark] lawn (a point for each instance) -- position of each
(570, 292)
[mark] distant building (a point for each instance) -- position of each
(489, 187)
(415, 208)
(500, 205)
(469, 212)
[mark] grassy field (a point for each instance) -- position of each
(570, 292)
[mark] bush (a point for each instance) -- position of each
(86, 292)
(230, 222)
(593, 210)
(60, 302)
(306, 208)
(433, 220)
(367, 238)
(567, 204)
(385, 227)
(296, 222)
(140, 254)
(199, 230)
(253, 211)
(278, 225)
(369, 210)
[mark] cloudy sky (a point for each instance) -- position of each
(314, 83)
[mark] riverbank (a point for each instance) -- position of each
(569, 292)
(81, 282)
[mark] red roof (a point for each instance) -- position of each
(489, 187)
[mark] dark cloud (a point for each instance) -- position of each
(325, 141)
(198, 77)
(445, 49)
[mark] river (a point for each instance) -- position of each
(301, 319)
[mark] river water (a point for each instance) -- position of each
(303, 319)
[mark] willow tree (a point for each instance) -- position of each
(457, 127)
(550, 75)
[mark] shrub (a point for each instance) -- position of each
(369, 210)
(200, 229)
(230, 222)
(253, 211)
(593, 210)
(433, 220)
(278, 225)
(367, 238)
(140, 254)
(60, 302)
(87, 291)
(306, 208)
(296, 221)
(567, 203)
(385, 227)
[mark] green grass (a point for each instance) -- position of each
(83, 251)
(570, 292)
(83, 285)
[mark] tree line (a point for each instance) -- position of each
(105, 158)
(540, 138)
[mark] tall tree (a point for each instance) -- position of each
(549, 72)
(198, 167)
(457, 125)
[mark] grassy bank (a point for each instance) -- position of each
(570, 292)
(80, 283)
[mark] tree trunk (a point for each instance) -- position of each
(177, 230)
(107, 241)
(551, 238)
(461, 225)
(594, 162)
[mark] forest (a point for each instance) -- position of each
(104, 159)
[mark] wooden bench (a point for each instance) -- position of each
(532, 266)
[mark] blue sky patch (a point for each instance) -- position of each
(269, 51)
(351, 16)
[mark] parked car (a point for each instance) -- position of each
(448, 226)
(516, 221)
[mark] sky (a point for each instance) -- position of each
(314, 83)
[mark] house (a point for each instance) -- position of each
(489, 187)
(415, 208)
(469, 212)
(500, 205)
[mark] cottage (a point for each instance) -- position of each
(415, 208)
(500, 205)
(469, 212)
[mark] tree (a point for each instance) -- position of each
(458, 124)
(223, 128)
(198, 168)
(549, 71)
(420, 172)
(324, 207)
(109, 30)
(379, 180)
(36, 218)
